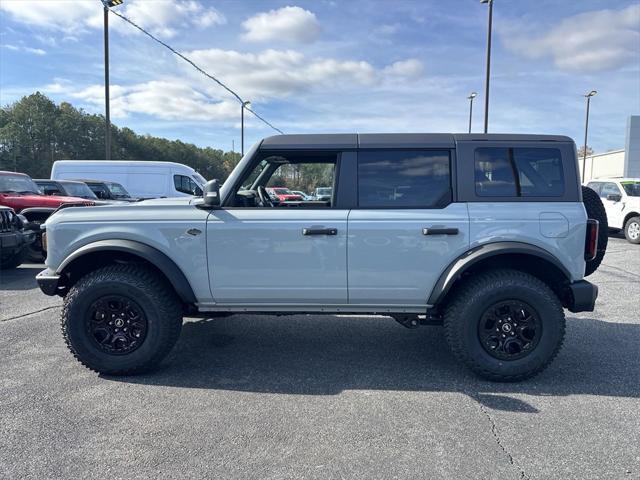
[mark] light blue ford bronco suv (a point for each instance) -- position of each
(488, 235)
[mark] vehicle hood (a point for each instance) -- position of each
(21, 201)
(156, 209)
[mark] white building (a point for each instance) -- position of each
(617, 163)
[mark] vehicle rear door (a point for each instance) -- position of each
(406, 229)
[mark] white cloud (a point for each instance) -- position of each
(161, 17)
(410, 68)
(21, 48)
(591, 41)
(281, 73)
(166, 99)
(293, 24)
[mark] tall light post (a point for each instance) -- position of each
(586, 131)
(242, 107)
(488, 73)
(107, 115)
(471, 96)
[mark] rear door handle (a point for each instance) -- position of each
(319, 231)
(440, 231)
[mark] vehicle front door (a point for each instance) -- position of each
(405, 230)
(614, 207)
(280, 256)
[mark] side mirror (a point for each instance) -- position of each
(614, 197)
(211, 194)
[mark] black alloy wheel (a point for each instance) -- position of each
(116, 324)
(509, 330)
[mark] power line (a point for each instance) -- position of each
(199, 69)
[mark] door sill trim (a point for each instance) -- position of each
(310, 308)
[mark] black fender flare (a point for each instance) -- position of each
(162, 262)
(482, 252)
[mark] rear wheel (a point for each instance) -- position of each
(632, 230)
(595, 209)
(121, 319)
(505, 325)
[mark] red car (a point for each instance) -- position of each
(19, 192)
(284, 194)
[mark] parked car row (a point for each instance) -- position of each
(283, 194)
(80, 183)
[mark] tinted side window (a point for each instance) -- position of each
(494, 173)
(518, 172)
(185, 185)
(539, 172)
(609, 189)
(595, 186)
(404, 179)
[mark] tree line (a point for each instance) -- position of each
(35, 132)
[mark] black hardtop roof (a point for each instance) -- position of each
(395, 140)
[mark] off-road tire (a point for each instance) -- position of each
(14, 261)
(595, 209)
(155, 297)
(633, 221)
(475, 295)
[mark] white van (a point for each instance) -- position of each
(141, 179)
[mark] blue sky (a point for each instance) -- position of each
(333, 66)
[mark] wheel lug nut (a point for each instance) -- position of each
(504, 336)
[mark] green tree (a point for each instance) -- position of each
(34, 132)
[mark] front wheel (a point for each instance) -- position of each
(121, 319)
(632, 230)
(505, 325)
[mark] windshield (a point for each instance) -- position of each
(632, 188)
(18, 184)
(199, 179)
(78, 190)
(323, 191)
(117, 190)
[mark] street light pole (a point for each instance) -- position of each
(242, 107)
(470, 98)
(106, 4)
(107, 115)
(488, 72)
(586, 131)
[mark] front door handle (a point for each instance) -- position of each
(440, 231)
(319, 231)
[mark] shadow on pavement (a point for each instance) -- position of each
(330, 354)
(22, 278)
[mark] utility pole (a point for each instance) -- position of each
(488, 72)
(586, 132)
(107, 116)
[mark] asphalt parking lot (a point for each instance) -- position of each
(321, 397)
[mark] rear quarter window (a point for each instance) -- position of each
(518, 172)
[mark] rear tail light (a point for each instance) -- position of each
(591, 242)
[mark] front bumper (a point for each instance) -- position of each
(583, 296)
(49, 282)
